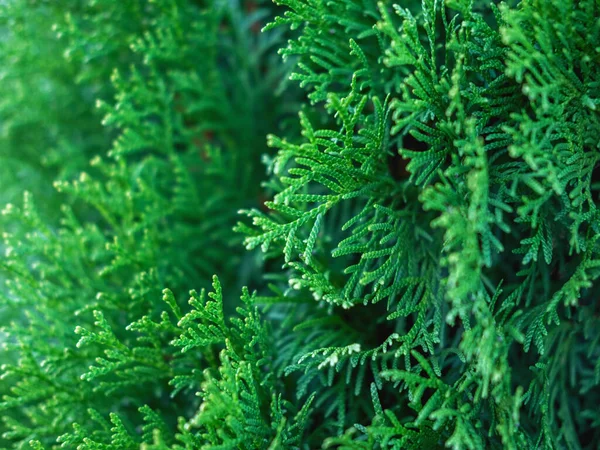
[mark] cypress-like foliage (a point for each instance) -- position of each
(415, 186)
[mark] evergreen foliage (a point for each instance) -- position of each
(423, 248)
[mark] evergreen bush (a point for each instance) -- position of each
(415, 184)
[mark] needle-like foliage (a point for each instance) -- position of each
(423, 246)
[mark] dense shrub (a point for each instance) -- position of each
(418, 207)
